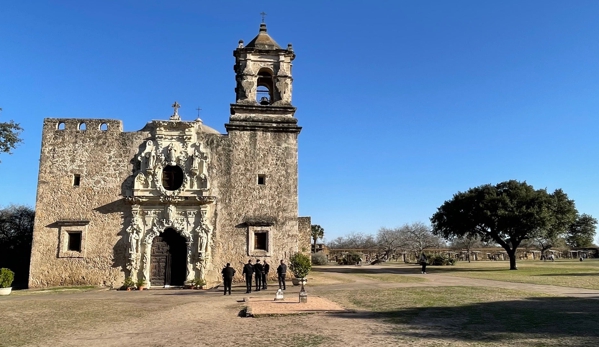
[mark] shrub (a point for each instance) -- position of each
(128, 283)
(319, 259)
(300, 265)
(198, 282)
(352, 258)
(441, 260)
(6, 277)
(141, 282)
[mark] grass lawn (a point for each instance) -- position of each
(567, 273)
(465, 316)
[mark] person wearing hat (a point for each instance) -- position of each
(228, 273)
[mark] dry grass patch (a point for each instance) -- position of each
(36, 319)
(565, 273)
(464, 316)
(319, 278)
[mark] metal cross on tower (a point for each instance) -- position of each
(263, 14)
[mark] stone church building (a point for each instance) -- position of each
(176, 200)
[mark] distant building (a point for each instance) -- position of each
(175, 200)
(320, 248)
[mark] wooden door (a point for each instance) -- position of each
(159, 264)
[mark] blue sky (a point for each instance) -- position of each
(402, 103)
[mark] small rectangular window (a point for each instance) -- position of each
(260, 241)
(76, 180)
(261, 179)
(74, 243)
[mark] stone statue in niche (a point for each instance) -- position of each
(146, 268)
(135, 230)
(204, 234)
(133, 240)
(141, 181)
(171, 214)
(171, 154)
(151, 160)
(145, 158)
(195, 160)
(189, 261)
(202, 238)
(203, 181)
(190, 219)
(201, 266)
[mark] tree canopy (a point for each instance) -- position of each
(353, 241)
(9, 136)
(506, 213)
(317, 232)
(582, 232)
(16, 233)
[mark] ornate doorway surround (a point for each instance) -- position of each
(180, 202)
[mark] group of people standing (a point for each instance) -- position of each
(258, 271)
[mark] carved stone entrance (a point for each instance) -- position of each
(168, 259)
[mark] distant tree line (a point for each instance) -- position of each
(510, 215)
(16, 233)
(388, 242)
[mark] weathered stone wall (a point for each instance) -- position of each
(305, 233)
(244, 205)
(102, 159)
(106, 162)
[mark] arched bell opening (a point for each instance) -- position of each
(265, 90)
(168, 259)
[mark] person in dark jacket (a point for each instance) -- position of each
(248, 271)
(259, 270)
(281, 273)
(228, 273)
(266, 269)
(423, 262)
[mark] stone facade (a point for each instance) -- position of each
(107, 199)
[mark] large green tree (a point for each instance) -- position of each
(582, 232)
(16, 233)
(507, 213)
(9, 136)
(317, 233)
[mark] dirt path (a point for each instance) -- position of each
(209, 318)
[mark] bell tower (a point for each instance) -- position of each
(263, 85)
